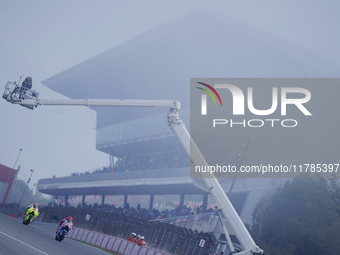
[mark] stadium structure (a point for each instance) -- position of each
(146, 158)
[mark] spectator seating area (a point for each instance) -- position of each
(142, 213)
(147, 162)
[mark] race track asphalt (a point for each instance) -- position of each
(19, 239)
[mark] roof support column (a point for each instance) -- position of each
(103, 199)
(112, 160)
(84, 199)
(205, 202)
(66, 199)
(181, 201)
(151, 202)
(125, 200)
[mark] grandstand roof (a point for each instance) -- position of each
(158, 64)
(156, 182)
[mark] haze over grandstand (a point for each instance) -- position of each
(44, 39)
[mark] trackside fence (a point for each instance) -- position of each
(163, 237)
(9, 208)
(114, 244)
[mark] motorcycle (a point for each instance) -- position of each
(29, 216)
(65, 228)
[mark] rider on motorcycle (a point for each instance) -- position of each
(33, 208)
(69, 220)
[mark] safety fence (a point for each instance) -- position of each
(159, 236)
(201, 222)
(48, 227)
(9, 209)
(114, 244)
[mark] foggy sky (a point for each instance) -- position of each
(41, 39)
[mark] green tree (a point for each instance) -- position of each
(301, 217)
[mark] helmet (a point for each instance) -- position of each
(139, 236)
(36, 205)
(70, 218)
(142, 237)
(133, 234)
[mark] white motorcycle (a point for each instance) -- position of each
(64, 229)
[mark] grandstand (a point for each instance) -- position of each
(146, 158)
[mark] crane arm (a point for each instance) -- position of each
(16, 94)
(103, 102)
(222, 201)
(28, 99)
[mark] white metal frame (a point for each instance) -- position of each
(222, 202)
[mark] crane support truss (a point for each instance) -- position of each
(13, 94)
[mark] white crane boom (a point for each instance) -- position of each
(103, 102)
(28, 99)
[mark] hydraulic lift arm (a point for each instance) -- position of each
(223, 203)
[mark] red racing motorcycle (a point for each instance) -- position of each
(64, 229)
